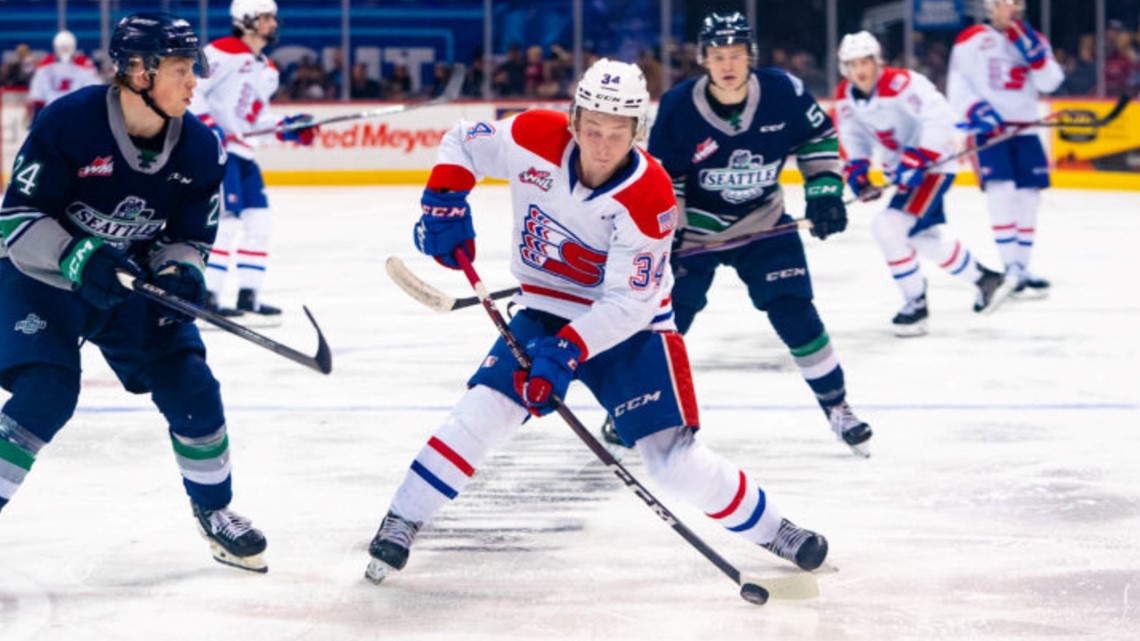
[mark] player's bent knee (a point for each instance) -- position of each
(44, 398)
(484, 416)
(795, 320)
(187, 394)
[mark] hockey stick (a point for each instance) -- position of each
(1016, 128)
(751, 592)
(321, 362)
(430, 296)
(450, 92)
(733, 243)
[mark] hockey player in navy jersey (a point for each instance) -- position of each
(593, 224)
(115, 180)
(723, 138)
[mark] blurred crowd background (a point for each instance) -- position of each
(408, 49)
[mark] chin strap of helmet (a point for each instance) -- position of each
(147, 99)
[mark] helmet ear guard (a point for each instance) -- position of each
(616, 88)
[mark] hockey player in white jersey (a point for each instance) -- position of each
(900, 112)
(60, 73)
(234, 101)
(594, 218)
(997, 72)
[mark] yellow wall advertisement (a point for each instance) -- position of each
(1114, 147)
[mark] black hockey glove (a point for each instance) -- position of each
(825, 208)
(91, 266)
(184, 281)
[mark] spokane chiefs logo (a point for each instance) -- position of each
(550, 247)
(132, 220)
(745, 178)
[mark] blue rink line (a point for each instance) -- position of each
(895, 407)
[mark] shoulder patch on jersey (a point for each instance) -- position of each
(650, 200)
(479, 129)
(230, 44)
(542, 132)
(970, 32)
(893, 81)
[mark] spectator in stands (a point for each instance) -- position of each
(398, 86)
(650, 65)
(363, 87)
(1121, 65)
(441, 75)
(534, 72)
(473, 84)
(509, 78)
(802, 64)
(1080, 70)
(18, 73)
(308, 82)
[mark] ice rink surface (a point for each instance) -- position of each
(1002, 500)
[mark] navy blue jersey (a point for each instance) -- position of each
(727, 171)
(80, 174)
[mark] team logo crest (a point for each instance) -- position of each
(101, 166)
(551, 248)
(131, 220)
(537, 177)
(745, 178)
(705, 149)
(479, 129)
(31, 325)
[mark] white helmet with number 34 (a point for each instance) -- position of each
(616, 88)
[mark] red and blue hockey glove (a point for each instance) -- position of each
(185, 281)
(295, 129)
(858, 173)
(553, 361)
(1028, 42)
(444, 226)
(983, 119)
(91, 265)
(825, 208)
(912, 167)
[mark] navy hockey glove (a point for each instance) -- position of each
(553, 361)
(184, 281)
(825, 208)
(1028, 42)
(859, 180)
(299, 134)
(444, 226)
(91, 266)
(912, 167)
(983, 119)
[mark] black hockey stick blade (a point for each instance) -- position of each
(321, 361)
(429, 296)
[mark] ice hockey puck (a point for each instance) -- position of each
(754, 594)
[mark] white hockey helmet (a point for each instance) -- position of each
(991, 5)
(245, 12)
(64, 45)
(614, 87)
(856, 46)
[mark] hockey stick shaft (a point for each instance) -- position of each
(430, 296)
(733, 243)
(1056, 119)
(321, 362)
(583, 432)
(450, 92)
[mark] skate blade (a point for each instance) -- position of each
(377, 571)
(1000, 295)
(911, 331)
(252, 563)
(861, 449)
(1030, 294)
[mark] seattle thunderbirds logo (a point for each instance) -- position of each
(132, 220)
(745, 178)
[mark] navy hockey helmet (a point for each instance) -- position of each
(724, 29)
(152, 37)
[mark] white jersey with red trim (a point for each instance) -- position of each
(986, 65)
(55, 78)
(599, 257)
(236, 95)
(904, 109)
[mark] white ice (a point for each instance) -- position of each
(1002, 500)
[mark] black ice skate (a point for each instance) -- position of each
(1031, 287)
(233, 540)
(213, 306)
(993, 289)
(852, 431)
(610, 438)
(247, 302)
(911, 319)
(803, 547)
(389, 548)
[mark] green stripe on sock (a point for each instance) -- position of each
(201, 452)
(814, 346)
(16, 455)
